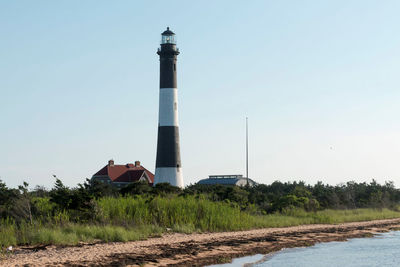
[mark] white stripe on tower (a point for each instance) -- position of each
(169, 175)
(168, 112)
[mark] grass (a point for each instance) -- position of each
(299, 217)
(135, 218)
(180, 213)
(72, 234)
(7, 234)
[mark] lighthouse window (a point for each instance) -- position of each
(175, 105)
(174, 67)
(168, 39)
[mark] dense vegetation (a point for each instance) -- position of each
(279, 196)
(95, 211)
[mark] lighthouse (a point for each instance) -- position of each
(168, 161)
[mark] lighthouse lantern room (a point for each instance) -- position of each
(168, 37)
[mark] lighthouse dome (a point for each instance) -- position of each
(168, 32)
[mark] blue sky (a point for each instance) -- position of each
(319, 81)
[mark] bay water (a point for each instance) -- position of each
(380, 250)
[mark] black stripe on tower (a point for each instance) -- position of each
(168, 154)
(168, 56)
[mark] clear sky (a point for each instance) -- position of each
(319, 81)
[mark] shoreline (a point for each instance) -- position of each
(197, 249)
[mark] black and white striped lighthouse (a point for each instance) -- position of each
(168, 162)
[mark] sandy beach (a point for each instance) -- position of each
(194, 249)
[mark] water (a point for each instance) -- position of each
(381, 250)
(242, 261)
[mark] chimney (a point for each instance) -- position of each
(111, 162)
(137, 163)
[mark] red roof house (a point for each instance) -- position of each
(121, 175)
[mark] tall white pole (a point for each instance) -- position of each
(247, 151)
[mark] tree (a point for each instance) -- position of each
(22, 204)
(7, 197)
(165, 189)
(61, 195)
(137, 188)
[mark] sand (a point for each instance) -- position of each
(195, 249)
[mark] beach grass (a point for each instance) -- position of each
(300, 217)
(73, 234)
(179, 213)
(135, 218)
(189, 214)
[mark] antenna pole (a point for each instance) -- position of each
(247, 151)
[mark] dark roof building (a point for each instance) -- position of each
(236, 179)
(121, 175)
